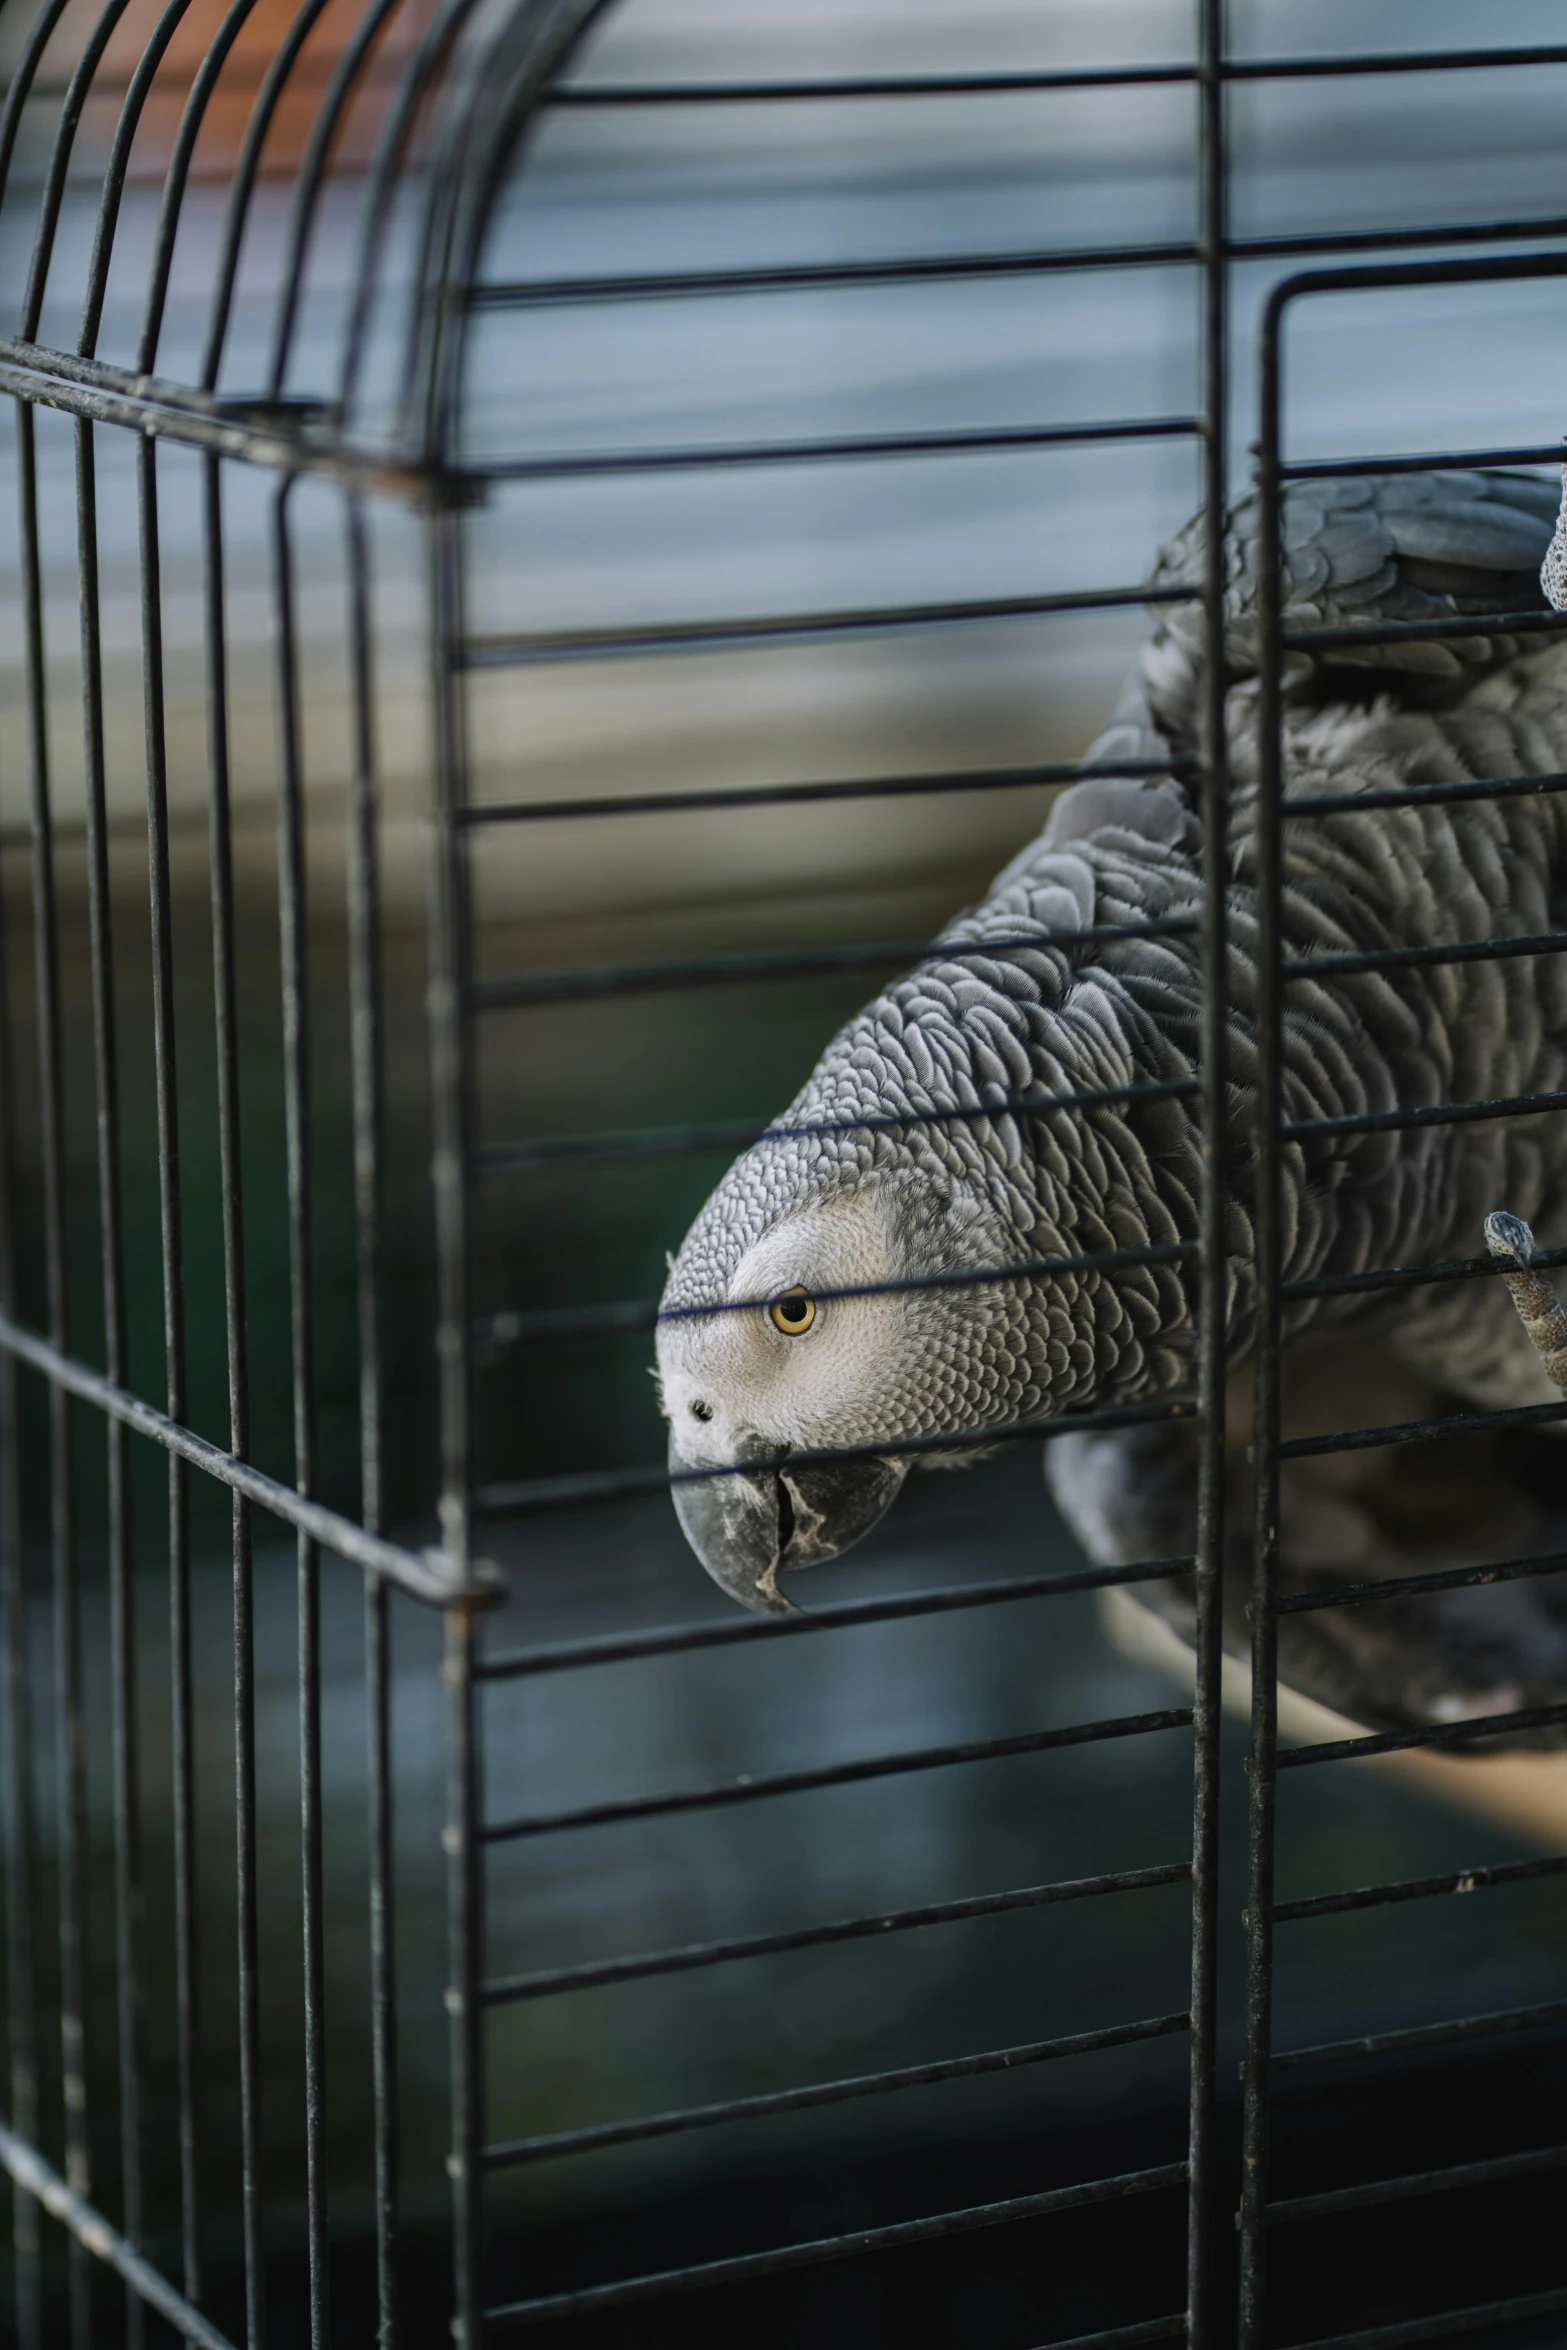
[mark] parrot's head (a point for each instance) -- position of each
(825, 1310)
(900, 1260)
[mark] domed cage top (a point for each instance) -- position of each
(267, 392)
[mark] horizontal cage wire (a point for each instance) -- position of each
(507, 504)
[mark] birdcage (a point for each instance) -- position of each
(527, 554)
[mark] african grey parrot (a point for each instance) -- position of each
(826, 1295)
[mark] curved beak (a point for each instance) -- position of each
(752, 1526)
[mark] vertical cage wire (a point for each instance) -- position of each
(62, 1512)
(1213, 1322)
(451, 1076)
(225, 1005)
(296, 1098)
(364, 922)
(16, 1752)
(112, 1251)
(171, 1236)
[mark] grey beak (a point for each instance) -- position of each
(750, 1527)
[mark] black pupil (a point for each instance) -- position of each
(794, 1309)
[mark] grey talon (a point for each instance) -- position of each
(1553, 571)
(1539, 1308)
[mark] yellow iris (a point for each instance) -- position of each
(793, 1313)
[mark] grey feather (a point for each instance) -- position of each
(1014, 1002)
(1393, 547)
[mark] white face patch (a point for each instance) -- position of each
(745, 1372)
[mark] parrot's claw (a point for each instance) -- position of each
(1541, 1312)
(1553, 571)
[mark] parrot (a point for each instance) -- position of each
(978, 1216)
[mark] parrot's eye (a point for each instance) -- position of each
(793, 1313)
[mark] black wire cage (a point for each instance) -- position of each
(307, 237)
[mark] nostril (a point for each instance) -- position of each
(701, 1411)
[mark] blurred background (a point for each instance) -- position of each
(572, 356)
